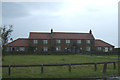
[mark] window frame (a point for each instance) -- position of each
(35, 41)
(78, 41)
(67, 41)
(21, 48)
(99, 48)
(45, 41)
(111, 48)
(106, 49)
(58, 41)
(45, 49)
(88, 48)
(88, 41)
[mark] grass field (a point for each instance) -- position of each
(79, 71)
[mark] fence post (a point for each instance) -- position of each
(41, 68)
(95, 67)
(104, 67)
(114, 65)
(69, 67)
(9, 70)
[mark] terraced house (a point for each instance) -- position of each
(59, 42)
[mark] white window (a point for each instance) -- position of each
(21, 48)
(45, 41)
(99, 48)
(79, 41)
(58, 48)
(87, 48)
(45, 49)
(88, 41)
(58, 41)
(111, 48)
(35, 41)
(67, 41)
(106, 49)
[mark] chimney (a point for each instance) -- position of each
(91, 34)
(51, 35)
(90, 31)
(51, 31)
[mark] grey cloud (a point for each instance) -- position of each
(13, 10)
(23, 9)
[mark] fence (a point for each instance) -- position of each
(42, 65)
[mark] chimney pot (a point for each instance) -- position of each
(90, 31)
(51, 31)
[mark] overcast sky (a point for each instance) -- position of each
(101, 16)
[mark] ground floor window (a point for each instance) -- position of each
(87, 48)
(21, 48)
(45, 49)
(111, 48)
(58, 48)
(99, 48)
(106, 49)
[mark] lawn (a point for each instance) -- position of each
(78, 71)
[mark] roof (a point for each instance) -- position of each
(60, 35)
(19, 42)
(37, 35)
(99, 42)
(24, 42)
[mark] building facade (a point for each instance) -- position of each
(59, 42)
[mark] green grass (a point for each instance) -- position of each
(77, 71)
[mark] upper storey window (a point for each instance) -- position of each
(58, 41)
(45, 41)
(88, 41)
(67, 41)
(35, 41)
(79, 41)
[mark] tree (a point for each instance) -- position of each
(5, 36)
